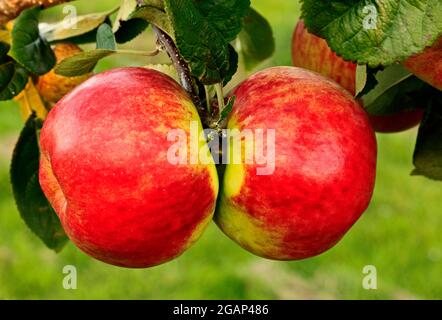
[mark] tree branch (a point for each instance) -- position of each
(10, 9)
(183, 70)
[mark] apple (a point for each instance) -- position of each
(428, 65)
(313, 53)
(105, 170)
(51, 86)
(403, 120)
(324, 165)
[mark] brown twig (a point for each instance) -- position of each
(183, 70)
(10, 9)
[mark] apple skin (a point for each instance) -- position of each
(105, 171)
(313, 53)
(398, 122)
(427, 65)
(325, 166)
(51, 86)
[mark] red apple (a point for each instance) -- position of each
(324, 165)
(428, 64)
(105, 170)
(313, 53)
(397, 122)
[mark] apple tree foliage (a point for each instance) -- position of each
(205, 40)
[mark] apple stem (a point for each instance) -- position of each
(140, 53)
(220, 96)
(208, 105)
(183, 70)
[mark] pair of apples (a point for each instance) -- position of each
(105, 170)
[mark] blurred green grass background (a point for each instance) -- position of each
(399, 233)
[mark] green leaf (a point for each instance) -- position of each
(13, 79)
(375, 32)
(203, 31)
(126, 9)
(125, 27)
(28, 47)
(224, 16)
(71, 28)
(155, 16)
(361, 78)
(406, 95)
(4, 49)
(227, 109)
(365, 80)
(130, 29)
(256, 40)
(33, 206)
(159, 4)
(428, 151)
(105, 37)
(396, 90)
(233, 65)
(90, 37)
(81, 63)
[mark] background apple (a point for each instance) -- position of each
(51, 86)
(313, 53)
(105, 171)
(398, 122)
(428, 64)
(325, 165)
